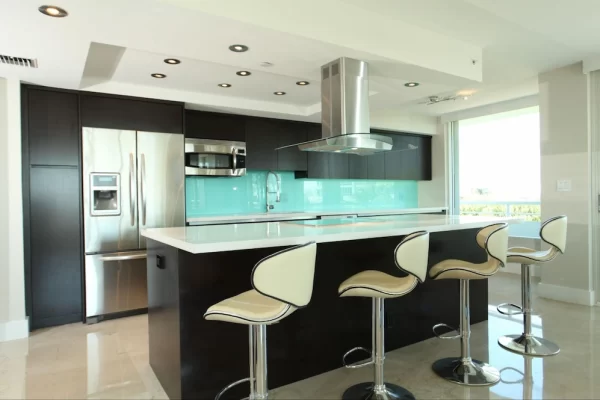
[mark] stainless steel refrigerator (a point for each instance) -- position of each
(131, 181)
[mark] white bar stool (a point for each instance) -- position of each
(553, 232)
(464, 370)
(411, 257)
(283, 283)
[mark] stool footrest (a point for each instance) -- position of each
(231, 385)
(509, 306)
(358, 364)
(442, 335)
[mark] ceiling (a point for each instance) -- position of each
(492, 49)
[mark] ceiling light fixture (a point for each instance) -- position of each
(172, 61)
(278, 93)
(158, 76)
(411, 84)
(53, 11)
(238, 48)
(224, 85)
(302, 83)
(243, 73)
(465, 97)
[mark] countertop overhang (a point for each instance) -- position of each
(218, 238)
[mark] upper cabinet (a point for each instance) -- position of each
(110, 112)
(205, 125)
(53, 127)
(263, 136)
(410, 159)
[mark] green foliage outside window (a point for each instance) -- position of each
(528, 212)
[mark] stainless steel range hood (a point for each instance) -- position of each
(345, 111)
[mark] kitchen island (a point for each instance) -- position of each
(192, 268)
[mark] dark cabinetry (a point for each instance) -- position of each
(56, 268)
(205, 125)
(53, 128)
(412, 161)
(263, 136)
(376, 166)
(100, 111)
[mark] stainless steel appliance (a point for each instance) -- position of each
(131, 181)
(215, 157)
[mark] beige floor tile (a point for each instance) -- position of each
(109, 360)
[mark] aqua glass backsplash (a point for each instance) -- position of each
(246, 194)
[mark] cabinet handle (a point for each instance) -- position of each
(160, 262)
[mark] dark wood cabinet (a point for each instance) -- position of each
(318, 163)
(412, 161)
(56, 269)
(292, 159)
(376, 166)
(113, 112)
(261, 142)
(338, 166)
(358, 166)
(53, 122)
(206, 125)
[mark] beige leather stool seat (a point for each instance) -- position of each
(464, 370)
(458, 269)
(282, 283)
(249, 308)
(376, 284)
(554, 233)
(411, 257)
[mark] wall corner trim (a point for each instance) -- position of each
(567, 294)
(13, 330)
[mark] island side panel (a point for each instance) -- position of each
(312, 340)
(163, 316)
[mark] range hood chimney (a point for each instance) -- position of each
(345, 111)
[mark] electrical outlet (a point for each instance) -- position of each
(563, 185)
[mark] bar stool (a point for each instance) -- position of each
(553, 232)
(411, 257)
(283, 283)
(465, 370)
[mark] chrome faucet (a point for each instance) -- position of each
(277, 192)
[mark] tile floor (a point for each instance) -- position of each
(110, 360)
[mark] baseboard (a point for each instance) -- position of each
(12, 330)
(567, 294)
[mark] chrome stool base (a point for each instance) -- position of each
(366, 391)
(528, 345)
(471, 373)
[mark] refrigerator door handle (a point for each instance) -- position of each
(123, 258)
(142, 185)
(132, 189)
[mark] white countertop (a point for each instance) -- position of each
(215, 238)
(289, 216)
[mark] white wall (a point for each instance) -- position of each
(13, 322)
(565, 156)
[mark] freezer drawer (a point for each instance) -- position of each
(115, 282)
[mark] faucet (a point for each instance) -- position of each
(277, 192)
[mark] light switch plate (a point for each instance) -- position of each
(563, 185)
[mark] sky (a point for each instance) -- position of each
(501, 154)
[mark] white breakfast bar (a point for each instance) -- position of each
(193, 267)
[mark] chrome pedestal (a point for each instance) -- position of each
(526, 344)
(464, 370)
(257, 335)
(378, 389)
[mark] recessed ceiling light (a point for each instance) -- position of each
(411, 84)
(172, 61)
(302, 83)
(278, 93)
(224, 85)
(238, 48)
(465, 97)
(243, 73)
(53, 11)
(158, 76)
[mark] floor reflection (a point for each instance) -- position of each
(110, 360)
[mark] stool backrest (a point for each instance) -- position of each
(412, 255)
(287, 275)
(554, 232)
(494, 239)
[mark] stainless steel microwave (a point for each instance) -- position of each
(206, 157)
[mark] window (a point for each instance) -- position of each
(499, 165)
